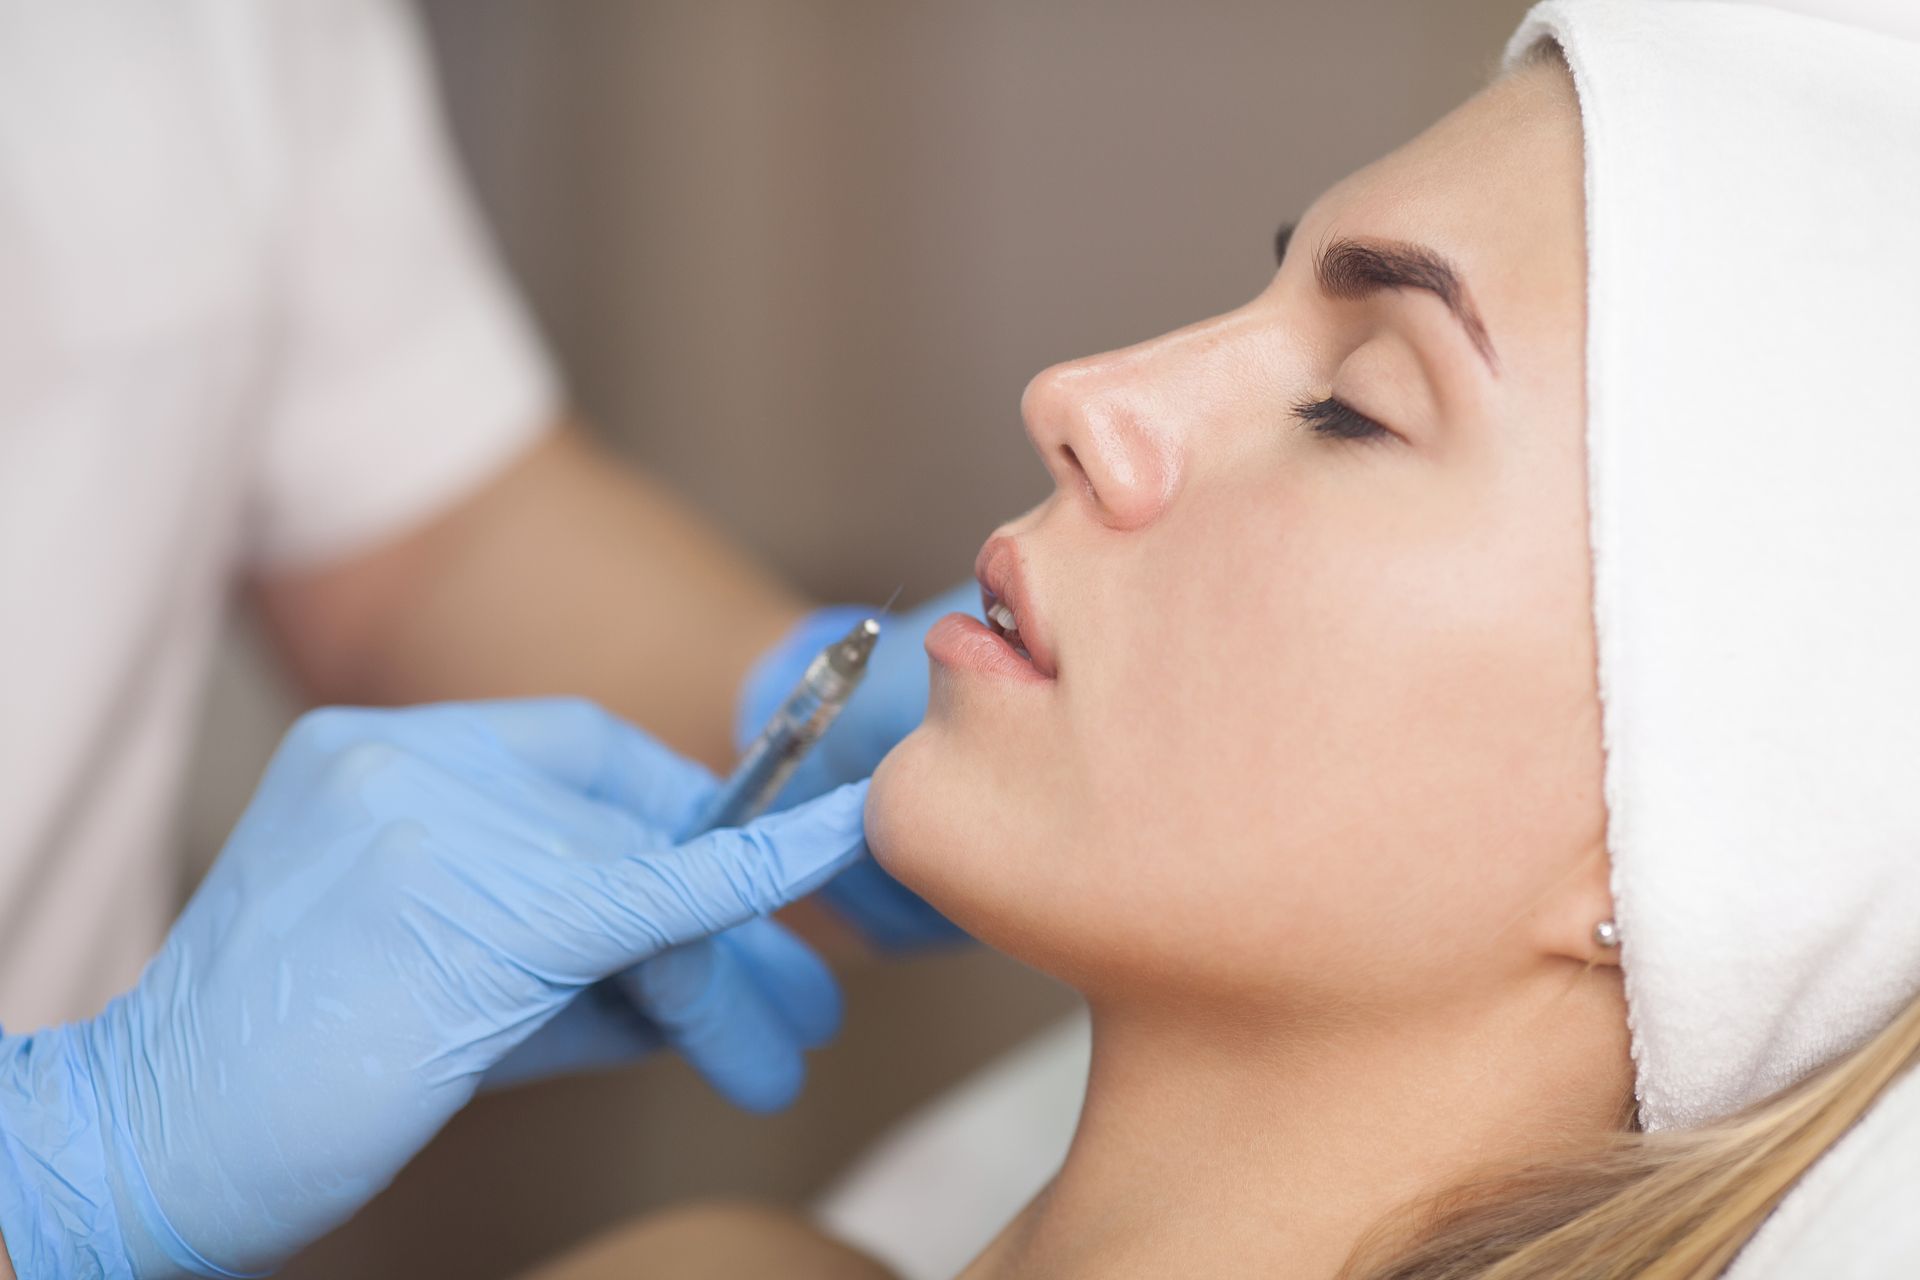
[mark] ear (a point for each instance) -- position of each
(1563, 922)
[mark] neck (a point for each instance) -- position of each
(1208, 1149)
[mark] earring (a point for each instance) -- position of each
(1606, 934)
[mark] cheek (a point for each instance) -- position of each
(1363, 748)
(1300, 751)
(1434, 739)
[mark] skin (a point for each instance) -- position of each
(1312, 812)
(569, 572)
(714, 1242)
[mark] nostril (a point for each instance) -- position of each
(1073, 464)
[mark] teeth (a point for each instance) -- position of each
(1007, 624)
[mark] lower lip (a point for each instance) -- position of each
(969, 644)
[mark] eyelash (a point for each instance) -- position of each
(1338, 420)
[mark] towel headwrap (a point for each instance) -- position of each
(1753, 449)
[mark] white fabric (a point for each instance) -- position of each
(939, 1186)
(1753, 187)
(245, 316)
(1753, 423)
(1852, 1217)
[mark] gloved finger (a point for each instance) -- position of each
(664, 897)
(583, 746)
(793, 980)
(598, 1028)
(710, 1009)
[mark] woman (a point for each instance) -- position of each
(1320, 568)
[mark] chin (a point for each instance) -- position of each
(949, 827)
(902, 815)
(925, 826)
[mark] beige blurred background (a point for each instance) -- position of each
(799, 257)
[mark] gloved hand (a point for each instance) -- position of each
(889, 705)
(410, 896)
(741, 1007)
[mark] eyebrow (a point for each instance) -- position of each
(1353, 269)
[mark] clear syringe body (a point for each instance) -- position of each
(802, 719)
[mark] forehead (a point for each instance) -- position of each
(1495, 186)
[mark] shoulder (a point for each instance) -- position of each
(712, 1241)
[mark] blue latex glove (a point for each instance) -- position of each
(741, 1007)
(410, 896)
(889, 705)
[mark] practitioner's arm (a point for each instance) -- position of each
(569, 573)
(714, 1242)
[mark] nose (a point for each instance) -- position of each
(1107, 427)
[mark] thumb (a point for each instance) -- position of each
(729, 876)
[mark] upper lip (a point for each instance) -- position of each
(1002, 575)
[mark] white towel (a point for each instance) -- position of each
(1753, 433)
(1753, 421)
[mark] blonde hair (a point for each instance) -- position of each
(1670, 1205)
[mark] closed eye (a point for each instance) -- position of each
(1339, 420)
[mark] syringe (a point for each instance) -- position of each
(802, 719)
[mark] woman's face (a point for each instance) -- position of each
(1311, 715)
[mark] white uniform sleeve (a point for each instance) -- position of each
(406, 371)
